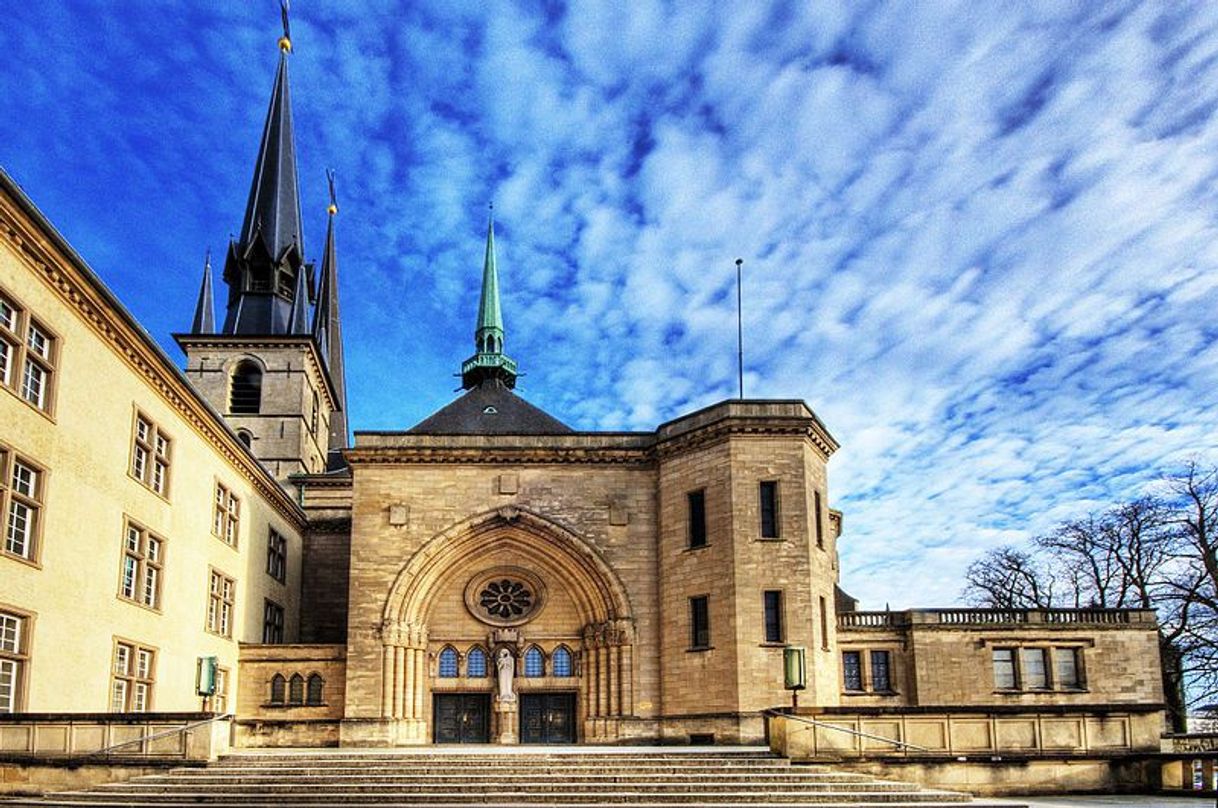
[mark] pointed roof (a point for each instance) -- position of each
(489, 316)
(299, 323)
(328, 331)
(205, 310)
(489, 361)
(490, 408)
(272, 213)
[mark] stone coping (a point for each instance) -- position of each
(491, 750)
(979, 709)
(106, 718)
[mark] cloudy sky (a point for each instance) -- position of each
(979, 237)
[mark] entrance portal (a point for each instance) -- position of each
(462, 717)
(547, 718)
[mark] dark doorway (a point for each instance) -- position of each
(462, 717)
(547, 718)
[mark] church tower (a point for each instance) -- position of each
(275, 370)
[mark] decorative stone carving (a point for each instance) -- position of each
(505, 666)
(505, 596)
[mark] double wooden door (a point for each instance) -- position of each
(547, 718)
(462, 718)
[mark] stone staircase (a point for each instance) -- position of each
(523, 778)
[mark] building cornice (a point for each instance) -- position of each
(252, 343)
(53, 260)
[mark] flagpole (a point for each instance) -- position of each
(739, 330)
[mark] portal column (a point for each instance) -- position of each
(404, 647)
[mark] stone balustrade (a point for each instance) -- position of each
(975, 617)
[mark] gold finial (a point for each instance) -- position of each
(285, 41)
(333, 208)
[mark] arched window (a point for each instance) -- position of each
(560, 662)
(316, 685)
(245, 437)
(448, 663)
(279, 687)
(296, 689)
(245, 389)
(475, 663)
(534, 662)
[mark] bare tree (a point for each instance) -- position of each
(1007, 578)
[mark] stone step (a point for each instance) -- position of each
(245, 776)
(922, 798)
(495, 787)
(255, 802)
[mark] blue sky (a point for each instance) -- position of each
(979, 238)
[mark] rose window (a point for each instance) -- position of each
(506, 599)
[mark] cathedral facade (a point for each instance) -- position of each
(488, 575)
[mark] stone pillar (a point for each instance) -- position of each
(403, 681)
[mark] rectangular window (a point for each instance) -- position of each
(143, 558)
(699, 622)
(1004, 669)
(852, 671)
(881, 675)
(220, 601)
(1065, 668)
(824, 624)
(133, 674)
(27, 355)
(219, 699)
(272, 623)
(13, 659)
(21, 494)
(697, 518)
(37, 367)
(820, 525)
(277, 556)
(226, 516)
(150, 455)
(773, 615)
(769, 509)
(1035, 676)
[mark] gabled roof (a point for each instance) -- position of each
(490, 409)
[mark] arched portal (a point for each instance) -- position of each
(513, 579)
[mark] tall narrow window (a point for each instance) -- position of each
(881, 672)
(534, 662)
(220, 601)
(150, 455)
(314, 688)
(697, 518)
(769, 509)
(296, 689)
(226, 516)
(13, 658)
(1004, 669)
(773, 615)
(852, 671)
(1034, 674)
(277, 556)
(27, 355)
(272, 623)
(279, 689)
(8, 341)
(313, 413)
(245, 389)
(475, 663)
(143, 557)
(219, 699)
(36, 375)
(699, 622)
(448, 665)
(1065, 668)
(824, 624)
(133, 673)
(820, 524)
(560, 662)
(22, 500)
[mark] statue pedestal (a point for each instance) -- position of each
(507, 719)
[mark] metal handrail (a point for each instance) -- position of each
(847, 730)
(105, 750)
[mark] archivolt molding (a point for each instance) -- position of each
(538, 543)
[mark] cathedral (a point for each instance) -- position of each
(209, 540)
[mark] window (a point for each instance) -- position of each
(1065, 668)
(697, 518)
(296, 689)
(769, 509)
(820, 525)
(773, 615)
(219, 699)
(881, 672)
(277, 556)
(220, 594)
(475, 663)
(449, 667)
(699, 623)
(226, 516)
(534, 662)
(246, 438)
(27, 355)
(133, 674)
(272, 623)
(245, 389)
(150, 455)
(560, 662)
(143, 557)
(21, 493)
(1033, 662)
(314, 688)
(14, 642)
(824, 624)
(279, 689)
(1004, 669)
(852, 671)
(313, 413)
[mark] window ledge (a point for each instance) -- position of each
(695, 547)
(697, 649)
(29, 562)
(768, 644)
(134, 602)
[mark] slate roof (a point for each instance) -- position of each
(490, 409)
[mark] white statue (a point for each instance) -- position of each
(506, 665)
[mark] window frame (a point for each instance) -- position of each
(272, 622)
(20, 355)
(818, 515)
(699, 611)
(245, 362)
(442, 663)
(562, 652)
(479, 652)
(131, 677)
(696, 534)
(153, 458)
(226, 515)
(1013, 662)
(18, 657)
(773, 606)
(772, 504)
(145, 562)
(874, 685)
(533, 655)
(222, 605)
(277, 555)
(33, 503)
(853, 675)
(1050, 653)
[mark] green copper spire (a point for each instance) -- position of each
(489, 361)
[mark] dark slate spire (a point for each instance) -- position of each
(299, 324)
(328, 331)
(262, 265)
(489, 361)
(205, 309)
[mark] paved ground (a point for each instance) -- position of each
(1128, 802)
